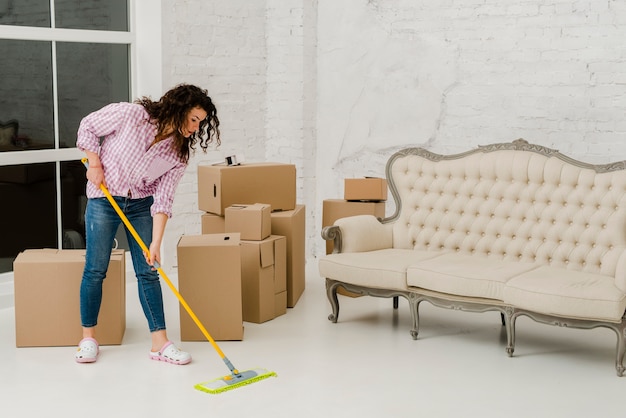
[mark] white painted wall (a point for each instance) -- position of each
(336, 87)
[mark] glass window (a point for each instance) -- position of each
(69, 14)
(108, 81)
(25, 13)
(46, 87)
(26, 95)
(98, 15)
(29, 211)
(73, 203)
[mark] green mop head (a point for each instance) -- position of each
(233, 381)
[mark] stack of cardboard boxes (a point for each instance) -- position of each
(247, 265)
(362, 196)
(250, 209)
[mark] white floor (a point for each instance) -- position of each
(366, 365)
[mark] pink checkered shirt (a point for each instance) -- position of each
(131, 165)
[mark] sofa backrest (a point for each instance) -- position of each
(513, 201)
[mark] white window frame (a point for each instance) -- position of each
(144, 40)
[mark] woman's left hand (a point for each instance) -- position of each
(154, 256)
(158, 227)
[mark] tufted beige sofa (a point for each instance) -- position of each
(516, 228)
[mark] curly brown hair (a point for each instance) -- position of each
(170, 112)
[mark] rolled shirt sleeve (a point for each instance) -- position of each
(165, 191)
(97, 125)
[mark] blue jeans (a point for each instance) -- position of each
(101, 224)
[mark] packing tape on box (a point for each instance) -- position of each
(235, 159)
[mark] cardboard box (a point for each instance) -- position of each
(333, 209)
(220, 186)
(47, 298)
(263, 278)
(291, 225)
(366, 189)
(280, 304)
(209, 279)
(253, 222)
(213, 224)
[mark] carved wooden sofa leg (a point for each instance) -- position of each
(331, 293)
(619, 328)
(508, 320)
(414, 302)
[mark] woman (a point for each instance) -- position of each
(139, 151)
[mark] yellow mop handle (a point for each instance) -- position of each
(160, 270)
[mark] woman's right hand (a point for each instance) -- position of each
(95, 174)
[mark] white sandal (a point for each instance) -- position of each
(171, 354)
(87, 351)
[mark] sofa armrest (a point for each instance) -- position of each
(358, 234)
(333, 233)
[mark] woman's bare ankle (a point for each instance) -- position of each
(159, 339)
(89, 332)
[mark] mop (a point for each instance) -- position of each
(236, 378)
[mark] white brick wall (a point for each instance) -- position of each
(335, 87)
(291, 112)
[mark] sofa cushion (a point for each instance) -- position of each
(465, 275)
(382, 269)
(561, 292)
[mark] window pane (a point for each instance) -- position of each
(28, 215)
(26, 94)
(73, 203)
(90, 76)
(94, 14)
(25, 13)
